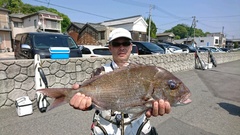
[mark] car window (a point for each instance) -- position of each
(175, 47)
(134, 49)
(152, 46)
(101, 51)
(43, 41)
(71, 43)
(28, 40)
(85, 51)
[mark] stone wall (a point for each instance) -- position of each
(17, 76)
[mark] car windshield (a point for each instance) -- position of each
(44, 41)
(152, 47)
(175, 47)
(192, 47)
(102, 51)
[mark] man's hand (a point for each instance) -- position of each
(160, 107)
(80, 101)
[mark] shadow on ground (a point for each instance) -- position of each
(232, 109)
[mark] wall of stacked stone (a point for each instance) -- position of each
(17, 76)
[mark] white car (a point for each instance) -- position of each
(175, 49)
(94, 51)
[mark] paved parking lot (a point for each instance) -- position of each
(215, 110)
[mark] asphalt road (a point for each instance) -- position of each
(215, 109)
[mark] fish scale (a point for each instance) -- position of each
(128, 90)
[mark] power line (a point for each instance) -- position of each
(221, 16)
(73, 9)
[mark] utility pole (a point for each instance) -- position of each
(194, 26)
(149, 22)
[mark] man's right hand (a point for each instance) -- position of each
(80, 101)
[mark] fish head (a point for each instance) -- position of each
(172, 89)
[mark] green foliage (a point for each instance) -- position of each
(177, 37)
(153, 28)
(17, 6)
(183, 31)
(236, 45)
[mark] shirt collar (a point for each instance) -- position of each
(115, 66)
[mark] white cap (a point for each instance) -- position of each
(119, 32)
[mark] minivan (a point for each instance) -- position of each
(146, 48)
(26, 45)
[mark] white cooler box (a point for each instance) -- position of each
(23, 106)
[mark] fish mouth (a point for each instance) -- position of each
(184, 100)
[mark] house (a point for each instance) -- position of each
(222, 38)
(40, 21)
(231, 43)
(165, 37)
(200, 41)
(88, 34)
(135, 24)
(5, 31)
(97, 33)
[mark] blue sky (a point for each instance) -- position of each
(212, 15)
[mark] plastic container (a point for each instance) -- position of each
(23, 106)
(59, 52)
(210, 65)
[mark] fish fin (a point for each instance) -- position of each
(57, 102)
(60, 95)
(55, 92)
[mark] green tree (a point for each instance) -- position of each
(153, 31)
(183, 31)
(12, 5)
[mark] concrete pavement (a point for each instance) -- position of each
(215, 109)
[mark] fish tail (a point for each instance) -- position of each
(60, 95)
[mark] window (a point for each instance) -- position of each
(86, 51)
(18, 24)
(52, 24)
(35, 23)
(201, 41)
(216, 41)
(28, 41)
(71, 43)
(102, 35)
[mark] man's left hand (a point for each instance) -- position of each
(159, 107)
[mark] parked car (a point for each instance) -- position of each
(28, 44)
(145, 48)
(134, 50)
(186, 48)
(94, 51)
(202, 49)
(168, 49)
(165, 47)
(224, 49)
(214, 49)
(175, 49)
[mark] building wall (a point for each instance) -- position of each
(17, 76)
(5, 32)
(5, 42)
(207, 41)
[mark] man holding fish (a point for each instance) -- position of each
(124, 94)
(110, 121)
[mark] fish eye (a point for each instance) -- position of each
(172, 84)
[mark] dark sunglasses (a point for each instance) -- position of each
(117, 44)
